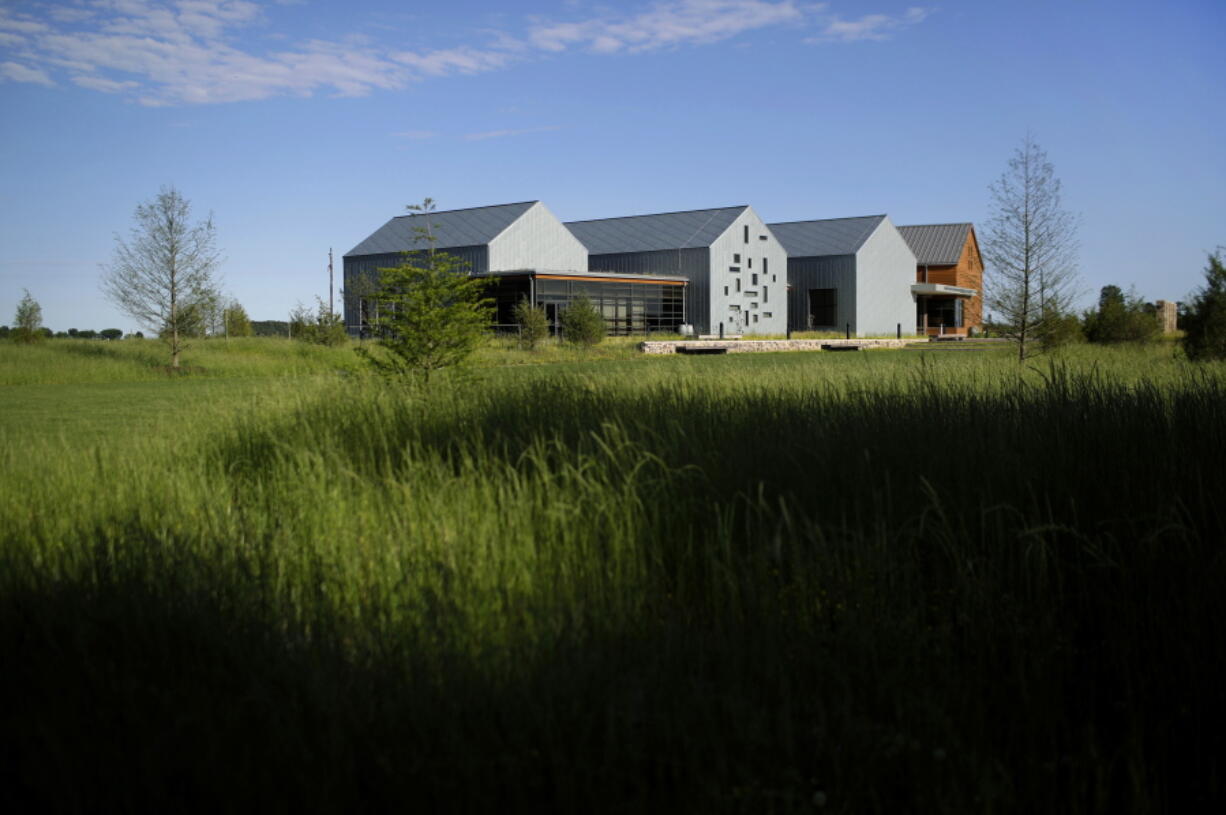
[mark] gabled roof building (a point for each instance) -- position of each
(735, 268)
(948, 284)
(848, 275)
(528, 253)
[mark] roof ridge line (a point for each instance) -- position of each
(466, 209)
(819, 220)
(654, 214)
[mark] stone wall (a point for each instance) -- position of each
(750, 346)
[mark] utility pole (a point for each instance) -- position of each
(329, 281)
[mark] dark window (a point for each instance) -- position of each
(746, 233)
(767, 314)
(736, 258)
(734, 268)
(755, 318)
(755, 279)
(823, 307)
(766, 294)
(725, 291)
(765, 268)
(738, 284)
(750, 262)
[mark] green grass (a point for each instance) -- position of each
(908, 582)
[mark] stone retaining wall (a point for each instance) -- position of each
(750, 346)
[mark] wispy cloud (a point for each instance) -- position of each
(165, 52)
(870, 26)
(665, 25)
(16, 72)
(502, 134)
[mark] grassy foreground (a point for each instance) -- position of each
(862, 583)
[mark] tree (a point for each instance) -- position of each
(28, 319)
(429, 312)
(1030, 245)
(162, 276)
(1204, 322)
(582, 323)
(111, 333)
(235, 320)
(533, 324)
(1120, 317)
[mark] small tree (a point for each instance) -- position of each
(163, 275)
(429, 312)
(1030, 245)
(235, 320)
(1204, 322)
(111, 333)
(582, 323)
(533, 324)
(28, 319)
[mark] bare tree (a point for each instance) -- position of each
(1030, 245)
(163, 275)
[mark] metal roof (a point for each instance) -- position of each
(651, 233)
(454, 227)
(936, 244)
(832, 236)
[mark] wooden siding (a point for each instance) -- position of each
(968, 273)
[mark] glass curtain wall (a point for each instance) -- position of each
(628, 308)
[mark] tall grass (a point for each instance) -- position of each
(875, 583)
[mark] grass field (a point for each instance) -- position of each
(873, 582)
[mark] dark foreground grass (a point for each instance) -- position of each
(736, 587)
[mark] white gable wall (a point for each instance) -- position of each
(885, 270)
(537, 240)
(764, 258)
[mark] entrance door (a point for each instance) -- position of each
(823, 308)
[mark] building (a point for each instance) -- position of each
(948, 284)
(848, 275)
(528, 254)
(735, 268)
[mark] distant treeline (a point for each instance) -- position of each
(270, 328)
(261, 328)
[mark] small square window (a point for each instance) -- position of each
(761, 237)
(755, 279)
(736, 258)
(755, 318)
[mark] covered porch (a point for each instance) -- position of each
(940, 309)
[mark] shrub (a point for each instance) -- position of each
(582, 323)
(324, 327)
(533, 325)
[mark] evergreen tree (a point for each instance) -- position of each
(1205, 321)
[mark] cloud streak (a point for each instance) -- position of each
(875, 27)
(175, 52)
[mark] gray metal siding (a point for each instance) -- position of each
(537, 240)
(828, 272)
(361, 272)
(885, 270)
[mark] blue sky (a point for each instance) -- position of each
(303, 124)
